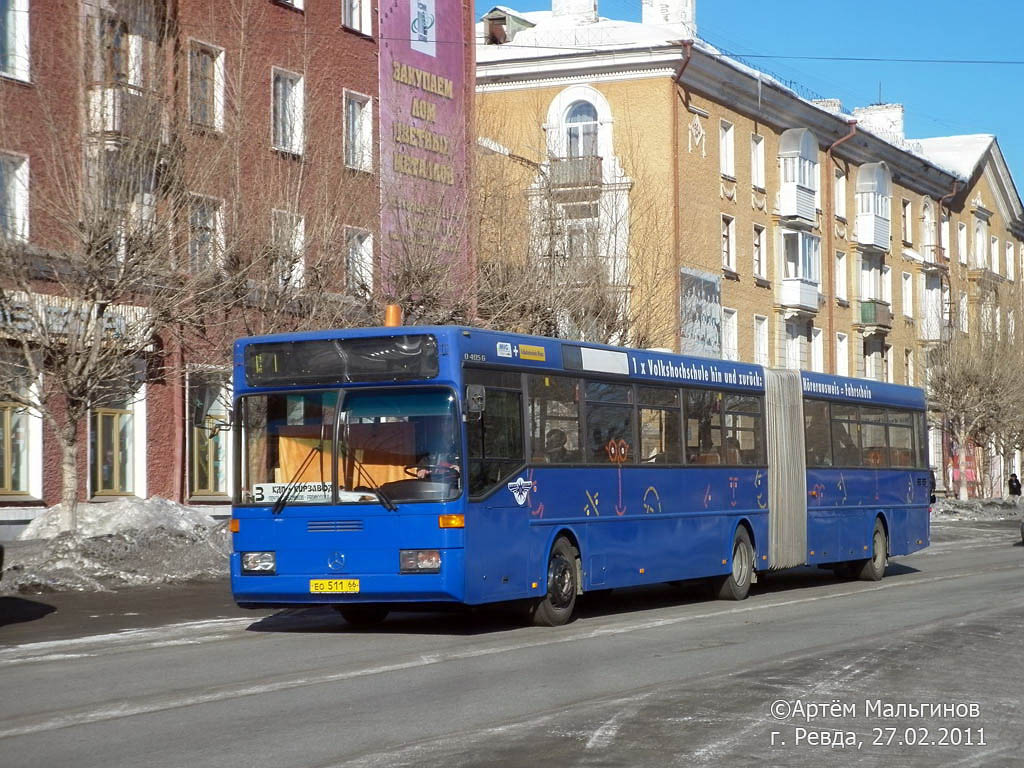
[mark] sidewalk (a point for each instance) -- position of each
(61, 615)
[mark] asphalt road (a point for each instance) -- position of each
(655, 677)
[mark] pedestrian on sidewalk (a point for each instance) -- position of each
(1014, 484)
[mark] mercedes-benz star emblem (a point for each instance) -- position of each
(336, 561)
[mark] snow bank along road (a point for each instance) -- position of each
(644, 677)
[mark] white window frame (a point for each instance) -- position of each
(357, 15)
(1011, 262)
(226, 443)
(294, 143)
(757, 161)
(890, 373)
(359, 260)
(758, 251)
(808, 262)
(792, 349)
(358, 153)
(961, 241)
(841, 276)
(19, 60)
(727, 149)
(944, 232)
(842, 354)
(980, 245)
(887, 284)
(137, 409)
(730, 334)
(993, 253)
(761, 340)
(728, 242)
(219, 80)
(817, 350)
(839, 190)
(908, 295)
(14, 187)
(214, 260)
(907, 221)
(297, 247)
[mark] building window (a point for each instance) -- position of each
(1011, 262)
(205, 233)
(206, 86)
(112, 446)
(840, 193)
(994, 254)
(296, 4)
(842, 355)
(980, 245)
(288, 232)
(287, 111)
(14, 198)
(729, 243)
(726, 150)
(802, 256)
(122, 53)
(358, 132)
(208, 402)
(908, 367)
(962, 313)
(14, 39)
(356, 14)
(841, 276)
(759, 270)
(359, 262)
(817, 351)
(961, 241)
(799, 193)
(791, 346)
(760, 340)
(14, 443)
(908, 295)
(907, 222)
(581, 130)
(730, 338)
(890, 373)
(757, 161)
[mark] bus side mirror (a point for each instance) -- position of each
(475, 398)
(931, 499)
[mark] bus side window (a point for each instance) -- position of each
(554, 415)
(744, 431)
(703, 427)
(816, 428)
(660, 432)
(845, 435)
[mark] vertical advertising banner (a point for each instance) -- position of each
(700, 313)
(423, 135)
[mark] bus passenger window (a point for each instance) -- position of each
(819, 446)
(611, 434)
(703, 427)
(901, 439)
(744, 431)
(874, 446)
(660, 439)
(554, 413)
(845, 435)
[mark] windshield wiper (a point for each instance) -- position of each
(293, 483)
(365, 477)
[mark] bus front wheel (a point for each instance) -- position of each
(736, 584)
(873, 569)
(366, 615)
(557, 605)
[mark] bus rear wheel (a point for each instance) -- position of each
(873, 569)
(557, 605)
(367, 615)
(736, 584)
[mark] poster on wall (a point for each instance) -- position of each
(700, 313)
(423, 134)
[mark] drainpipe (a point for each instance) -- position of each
(677, 80)
(830, 259)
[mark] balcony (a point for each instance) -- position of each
(934, 330)
(799, 294)
(124, 110)
(873, 231)
(571, 173)
(875, 316)
(797, 202)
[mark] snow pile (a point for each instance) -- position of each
(977, 509)
(128, 542)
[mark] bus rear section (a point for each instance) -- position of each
(348, 496)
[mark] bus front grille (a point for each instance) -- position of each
(333, 526)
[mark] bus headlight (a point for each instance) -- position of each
(259, 562)
(419, 561)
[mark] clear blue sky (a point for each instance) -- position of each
(940, 99)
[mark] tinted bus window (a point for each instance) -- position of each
(703, 427)
(744, 431)
(921, 440)
(901, 439)
(873, 443)
(845, 436)
(660, 432)
(554, 419)
(662, 396)
(816, 424)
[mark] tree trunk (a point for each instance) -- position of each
(69, 479)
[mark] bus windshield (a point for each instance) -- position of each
(402, 444)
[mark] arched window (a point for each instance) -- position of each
(927, 223)
(581, 130)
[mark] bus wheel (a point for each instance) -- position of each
(362, 615)
(736, 584)
(873, 569)
(557, 606)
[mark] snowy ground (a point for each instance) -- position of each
(977, 509)
(128, 542)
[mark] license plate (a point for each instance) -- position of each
(349, 586)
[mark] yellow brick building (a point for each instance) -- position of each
(789, 232)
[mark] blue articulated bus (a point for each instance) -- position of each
(392, 467)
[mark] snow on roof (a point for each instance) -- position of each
(960, 154)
